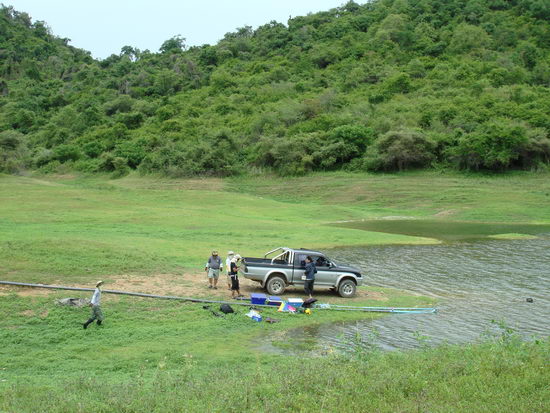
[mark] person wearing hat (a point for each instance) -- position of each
(230, 255)
(234, 274)
(213, 267)
(95, 303)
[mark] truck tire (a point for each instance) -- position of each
(347, 288)
(275, 285)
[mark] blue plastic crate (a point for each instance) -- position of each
(274, 300)
(258, 298)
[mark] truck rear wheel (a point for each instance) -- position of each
(347, 289)
(275, 285)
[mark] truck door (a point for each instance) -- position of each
(299, 268)
(325, 275)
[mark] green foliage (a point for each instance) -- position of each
(495, 145)
(13, 151)
(356, 136)
(468, 38)
(446, 67)
(401, 150)
(173, 45)
(68, 152)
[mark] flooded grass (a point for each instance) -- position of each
(448, 231)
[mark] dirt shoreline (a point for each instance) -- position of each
(192, 284)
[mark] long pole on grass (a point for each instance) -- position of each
(201, 300)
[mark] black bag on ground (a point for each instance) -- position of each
(309, 302)
(226, 309)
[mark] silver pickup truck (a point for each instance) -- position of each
(286, 267)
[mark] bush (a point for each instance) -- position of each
(88, 165)
(68, 152)
(133, 151)
(213, 155)
(495, 145)
(356, 135)
(467, 38)
(400, 150)
(398, 83)
(92, 149)
(121, 104)
(120, 166)
(132, 120)
(13, 151)
(289, 156)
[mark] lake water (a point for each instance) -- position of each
(474, 281)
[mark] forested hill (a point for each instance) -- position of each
(391, 84)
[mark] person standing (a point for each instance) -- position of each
(213, 267)
(95, 303)
(230, 255)
(234, 274)
(310, 276)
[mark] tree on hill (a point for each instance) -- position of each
(385, 85)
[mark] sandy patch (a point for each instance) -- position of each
(188, 285)
(25, 291)
(445, 213)
(44, 182)
(196, 285)
(199, 184)
(27, 313)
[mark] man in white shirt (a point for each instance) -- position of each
(95, 303)
(230, 255)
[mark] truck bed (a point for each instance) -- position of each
(252, 261)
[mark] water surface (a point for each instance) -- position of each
(475, 283)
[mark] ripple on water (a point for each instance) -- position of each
(475, 283)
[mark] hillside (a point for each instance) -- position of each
(387, 85)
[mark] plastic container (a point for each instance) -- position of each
(274, 300)
(295, 302)
(258, 298)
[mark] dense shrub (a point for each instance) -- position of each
(68, 152)
(13, 152)
(494, 145)
(399, 150)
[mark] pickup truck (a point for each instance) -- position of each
(286, 267)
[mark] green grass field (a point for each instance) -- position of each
(165, 356)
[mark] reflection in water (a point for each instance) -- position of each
(474, 282)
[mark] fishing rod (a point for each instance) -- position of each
(385, 309)
(380, 309)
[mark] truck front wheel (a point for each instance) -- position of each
(275, 285)
(347, 288)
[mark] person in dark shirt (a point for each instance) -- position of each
(310, 276)
(234, 274)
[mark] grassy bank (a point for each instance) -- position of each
(153, 235)
(75, 229)
(159, 356)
